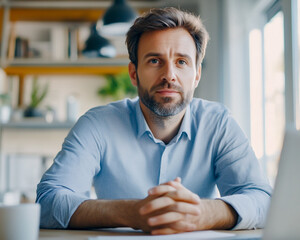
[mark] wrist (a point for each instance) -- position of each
(127, 213)
(216, 214)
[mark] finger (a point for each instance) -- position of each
(161, 189)
(178, 179)
(184, 195)
(176, 227)
(185, 208)
(156, 204)
(163, 202)
(165, 218)
(163, 231)
(166, 187)
(183, 226)
(176, 183)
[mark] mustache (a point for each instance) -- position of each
(167, 85)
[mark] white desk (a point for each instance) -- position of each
(46, 234)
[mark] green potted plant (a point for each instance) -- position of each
(117, 87)
(37, 96)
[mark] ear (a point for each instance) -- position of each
(132, 73)
(198, 75)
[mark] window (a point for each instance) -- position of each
(274, 91)
(267, 92)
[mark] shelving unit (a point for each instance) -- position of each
(58, 11)
(50, 11)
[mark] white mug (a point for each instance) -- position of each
(20, 222)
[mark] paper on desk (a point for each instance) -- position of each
(186, 236)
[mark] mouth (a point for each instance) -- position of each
(167, 92)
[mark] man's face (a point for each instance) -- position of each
(166, 75)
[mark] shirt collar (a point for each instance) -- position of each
(186, 124)
(142, 126)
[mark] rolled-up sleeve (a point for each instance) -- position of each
(240, 179)
(67, 183)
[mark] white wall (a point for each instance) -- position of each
(225, 75)
(210, 84)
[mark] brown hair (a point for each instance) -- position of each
(165, 18)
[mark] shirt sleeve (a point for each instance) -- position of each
(67, 183)
(240, 179)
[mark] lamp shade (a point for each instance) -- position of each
(117, 19)
(98, 46)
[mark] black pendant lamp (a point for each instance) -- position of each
(117, 19)
(98, 46)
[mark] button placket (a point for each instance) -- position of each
(164, 165)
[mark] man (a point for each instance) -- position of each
(155, 161)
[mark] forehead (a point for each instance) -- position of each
(167, 42)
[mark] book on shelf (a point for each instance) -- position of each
(59, 42)
(11, 43)
(73, 43)
(21, 48)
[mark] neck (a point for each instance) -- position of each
(163, 128)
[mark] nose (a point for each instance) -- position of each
(168, 72)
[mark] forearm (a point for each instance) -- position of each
(217, 215)
(103, 213)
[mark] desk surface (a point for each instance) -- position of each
(46, 234)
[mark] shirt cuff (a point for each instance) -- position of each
(58, 207)
(246, 208)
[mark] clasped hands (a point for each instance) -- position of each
(169, 208)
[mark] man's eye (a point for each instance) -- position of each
(154, 61)
(182, 62)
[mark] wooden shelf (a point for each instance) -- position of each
(52, 70)
(84, 67)
(57, 15)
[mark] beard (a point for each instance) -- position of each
(167, 106)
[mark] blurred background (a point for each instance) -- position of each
(61, 58)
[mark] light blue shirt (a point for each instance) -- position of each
(112, 148)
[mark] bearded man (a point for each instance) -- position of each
(164, 162)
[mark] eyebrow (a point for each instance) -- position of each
(153, 54)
